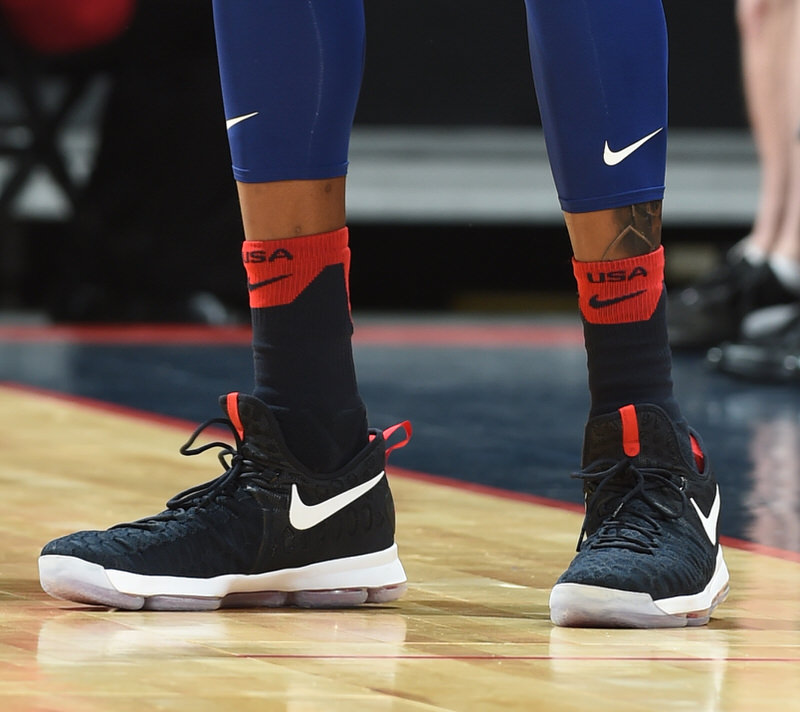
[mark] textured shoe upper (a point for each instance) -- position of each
(239, 522)
(642, 530)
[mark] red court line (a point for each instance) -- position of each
(96, 404)
(572, 507)
(487, 335)
(500, 658)
(760, 549)
(440, 480)
(144, 334)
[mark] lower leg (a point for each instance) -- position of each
(297, 264)
(601, 68)
(619, 270)
(615, 233)
(580, 51)
(282, 209)
(290, 75)
(765, 29)
(787, 241)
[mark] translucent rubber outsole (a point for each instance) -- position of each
(584, 608)
(341, 598)
(341, 583)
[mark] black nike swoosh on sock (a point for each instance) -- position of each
(598, 303)
(257, 285)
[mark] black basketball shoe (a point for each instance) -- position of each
(266, 532)
(768, 349)
(712, 310)
(651, 556)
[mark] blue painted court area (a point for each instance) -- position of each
(486, 407)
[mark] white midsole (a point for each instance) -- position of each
(702, 600)
(588, 597)
(376, 570)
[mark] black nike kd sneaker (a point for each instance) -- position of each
(711, 311)
(266, 532)
(649, 553)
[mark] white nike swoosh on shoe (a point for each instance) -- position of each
(303, 516)
(613, 158)
(230, 123)
(709, 522)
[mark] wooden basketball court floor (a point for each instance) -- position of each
(90, 423)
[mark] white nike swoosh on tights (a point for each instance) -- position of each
(304, 516)
(613, 158)
(709, 522)
(230, 123)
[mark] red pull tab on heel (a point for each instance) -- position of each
(406, 426)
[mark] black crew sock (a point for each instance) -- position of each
(302, 349)
(623, 305)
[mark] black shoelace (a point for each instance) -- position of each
(234, 463)
(630, 526)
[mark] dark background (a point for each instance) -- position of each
(429, 62)
(466, 62)
(444, 62)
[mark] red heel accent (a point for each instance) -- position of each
(406, 426)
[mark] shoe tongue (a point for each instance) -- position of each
(644, 433)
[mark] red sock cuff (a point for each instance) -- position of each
(279, 270)
(620, 291)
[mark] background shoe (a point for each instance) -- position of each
(649, 553)
(264, 533)
(711, 311)
(769, 347)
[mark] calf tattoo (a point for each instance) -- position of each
(638, 230)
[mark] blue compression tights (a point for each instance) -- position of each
(293, 68)
(291, 72)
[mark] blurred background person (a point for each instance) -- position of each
(133, 220)
(763, 269)
(124, 253)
